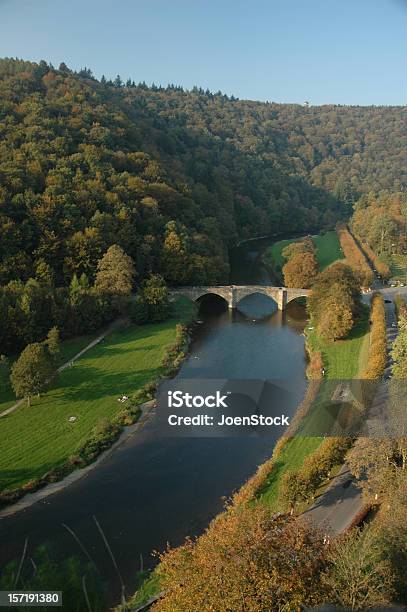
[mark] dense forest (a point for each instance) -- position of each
(173, 177)
(381, 223)
(84, 165)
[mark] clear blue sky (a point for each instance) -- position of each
(324, 51)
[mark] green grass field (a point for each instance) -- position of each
(343, 359)
(327, 247)
(36, 439)
(69, 348)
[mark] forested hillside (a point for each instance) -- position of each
(84, 165)
(173, 177)
(348, 150)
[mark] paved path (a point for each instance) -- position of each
(69, 363)
(339, 505)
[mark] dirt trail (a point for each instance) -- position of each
(67, 364)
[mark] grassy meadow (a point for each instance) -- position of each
(69, 348)
(37, 438)
(327, 250)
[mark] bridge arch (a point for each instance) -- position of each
(267, 294)
(217, 294)
(233, 294)
(296, 296)
(196, 293)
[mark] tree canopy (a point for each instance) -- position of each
(31, 371)
(247, 560)
(115, 272)
(85, 165)
(334, 303)
(174, 178)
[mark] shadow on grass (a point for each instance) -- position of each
(271, 483)
(10, 479)
(121, 350)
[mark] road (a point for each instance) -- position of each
(341, 503)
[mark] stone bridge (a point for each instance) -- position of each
(232, 294)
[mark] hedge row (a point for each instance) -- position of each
(301, 485)
(253, 487)
(354, 256)
(377, 358)
(315, 365)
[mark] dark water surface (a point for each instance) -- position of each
(154, 490)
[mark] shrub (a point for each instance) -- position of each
(300, 485)
(139, 311)
(315, 366)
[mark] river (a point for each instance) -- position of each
(152, 490)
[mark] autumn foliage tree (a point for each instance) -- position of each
(174, 255)
(334, 303)
(115, 272)
(399, 350)
(247, 560)
(301, 246)
(359, 576)
(355, 257)
(301, 270)
(379, 221)
(337, 320)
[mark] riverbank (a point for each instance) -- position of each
(80, 416)
(341, 360)
(31, 498)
